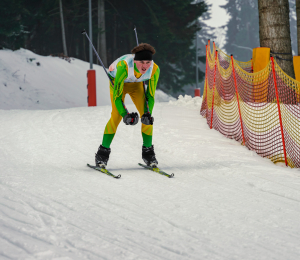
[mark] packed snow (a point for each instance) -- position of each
(187, 101)
(225, 202)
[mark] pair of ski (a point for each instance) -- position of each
(119, 176)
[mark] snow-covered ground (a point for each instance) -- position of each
(225, 201)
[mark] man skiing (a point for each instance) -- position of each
(127, 74)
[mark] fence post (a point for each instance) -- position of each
(214, 86)
(206, 79)
(237, 97)
(279, 112)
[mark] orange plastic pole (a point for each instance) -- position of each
(92, 97)
(237, 97)
(279, 112)
(197, 92)
(213, 99)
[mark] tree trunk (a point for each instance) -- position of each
(29, 39)
(115, 37)
(298, 24)
(274, 32)
(101, 43)
(63, 28)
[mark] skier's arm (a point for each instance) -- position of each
(150, 93)
(122, 72)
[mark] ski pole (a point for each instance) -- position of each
(137, 42)
(84, 32)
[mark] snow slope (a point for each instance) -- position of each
(225, 201)
(31, 81)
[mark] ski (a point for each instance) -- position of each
(157, 170)
(104, 171)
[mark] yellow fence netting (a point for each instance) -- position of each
(261, 109)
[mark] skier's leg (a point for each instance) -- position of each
(137, 94)
(112, 124)
(102, 155)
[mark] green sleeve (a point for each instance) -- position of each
(151, 90)
(118, 87)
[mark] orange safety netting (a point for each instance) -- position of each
(261, 110)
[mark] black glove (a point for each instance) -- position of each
(147, 119)
(131, 119)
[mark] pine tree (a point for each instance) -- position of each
(167, 25)
(206, 33)
(11, 26)
(242, 29)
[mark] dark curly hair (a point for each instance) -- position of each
(142, 47)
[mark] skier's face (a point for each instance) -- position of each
(142, 65)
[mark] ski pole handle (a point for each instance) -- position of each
(84, 32)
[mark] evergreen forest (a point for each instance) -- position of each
(169, 25)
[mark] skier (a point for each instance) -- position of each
(128, 73)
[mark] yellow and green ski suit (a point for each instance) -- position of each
(137, 94)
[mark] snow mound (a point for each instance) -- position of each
(161, 96)
(31, 81)
(187, 101)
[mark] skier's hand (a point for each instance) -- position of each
(147, 119)
(131, 119)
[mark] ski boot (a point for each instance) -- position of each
(148, 156)
(102, 156)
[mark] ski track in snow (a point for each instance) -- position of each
(225, 201)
